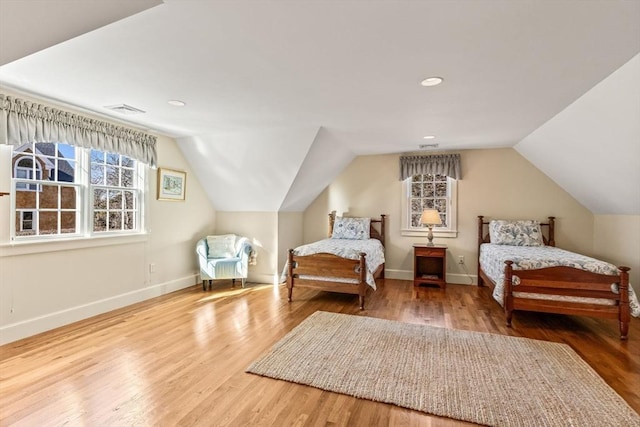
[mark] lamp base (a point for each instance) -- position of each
(430, 236)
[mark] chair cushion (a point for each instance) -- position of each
(223, 246)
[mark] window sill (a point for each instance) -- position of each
(419, 233)
(26, 247)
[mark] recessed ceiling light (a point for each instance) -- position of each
(429, 137)
(176, 103)
(432, 81)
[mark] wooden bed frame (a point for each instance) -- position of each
(333, 266)
(563, 281)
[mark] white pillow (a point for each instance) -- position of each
(351, 228)
(516, 233)
(223, 246)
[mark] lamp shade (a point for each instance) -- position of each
(430, 217)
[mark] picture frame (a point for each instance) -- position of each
(172, 184)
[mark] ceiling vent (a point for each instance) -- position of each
(124, 109)
(427, 146)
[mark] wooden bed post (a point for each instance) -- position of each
(507, 299)
(332, 220)
(552, 230)
(362, 286)
(480, 242)
(290, 274)
(382, 231)
(623, 288)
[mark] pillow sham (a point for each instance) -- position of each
(516, 233)
(351, 228)
(223, 246)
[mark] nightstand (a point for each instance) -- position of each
(430, 265)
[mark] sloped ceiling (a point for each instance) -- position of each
(281, 95)
(598, 135)
(27, 27)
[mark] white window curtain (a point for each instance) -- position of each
(443, 164)
(24, 121)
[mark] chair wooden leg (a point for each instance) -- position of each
(204, 286)
(233, 283)
(210, 284)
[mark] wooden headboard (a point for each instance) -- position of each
(483, 227)
(377, 227)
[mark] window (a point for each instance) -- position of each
(66, 191)
(114, 192)
(26, 168)
(26, 220)
(429, 192)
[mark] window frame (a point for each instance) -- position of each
(451, 231)
(83, 207)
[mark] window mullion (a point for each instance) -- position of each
(87, 192)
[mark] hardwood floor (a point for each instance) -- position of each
(180, 359)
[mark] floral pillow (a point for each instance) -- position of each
(223, 246)
(516, 233)
(351, 228)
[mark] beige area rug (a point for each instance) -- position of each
(479, 377)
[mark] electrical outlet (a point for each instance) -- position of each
(460, 259)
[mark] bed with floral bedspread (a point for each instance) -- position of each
(529, 273)
(348, 261)
(493, 257)
(344, 248)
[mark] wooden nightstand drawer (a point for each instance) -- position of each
(420, 251)
(430, 265)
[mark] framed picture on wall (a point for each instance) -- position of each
(172, 184)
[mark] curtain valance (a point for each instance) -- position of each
(443, 164)
(24, 121)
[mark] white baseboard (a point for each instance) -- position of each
(27, 328)
(462, 279)
(454, 278)
(263, 278)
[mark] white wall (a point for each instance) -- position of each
(272, 234)
(617, 240)
(290, 234)
(262, 229)
(46, 285)
(497, 183)
(592, 148)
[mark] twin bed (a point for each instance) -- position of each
(348, 261)
(527, 272)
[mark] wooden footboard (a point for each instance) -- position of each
(306, 271)
(570, 282)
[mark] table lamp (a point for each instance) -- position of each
(430, 217)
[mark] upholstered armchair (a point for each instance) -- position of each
(223, 257)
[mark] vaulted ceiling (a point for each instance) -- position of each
(281, 96)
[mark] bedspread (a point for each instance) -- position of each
(345, 248)
(492, 258)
